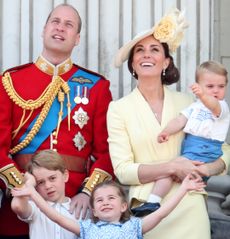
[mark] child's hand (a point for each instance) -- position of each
(29, 179)
(196, 89)
(26, 190)
(28, 187)
(163, 137)
(193, 182)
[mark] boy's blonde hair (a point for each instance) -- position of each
(48, 159)
(211, 66)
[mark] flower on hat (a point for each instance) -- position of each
(170, 29)
(165, 30)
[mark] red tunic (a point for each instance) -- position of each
(29, 83)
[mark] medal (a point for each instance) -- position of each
(77, 98)
(84, 101)
(85, 98)
(80, 117)
(79, 141)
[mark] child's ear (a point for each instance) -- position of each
(124, 206)
(66, 175)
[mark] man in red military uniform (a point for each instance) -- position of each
(54, 104)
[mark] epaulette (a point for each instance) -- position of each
(89, 71)
(16, 68)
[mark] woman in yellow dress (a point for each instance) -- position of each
(135, 121)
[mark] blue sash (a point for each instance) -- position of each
(80, 77)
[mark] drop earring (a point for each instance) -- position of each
(133, 73)
(163, 73)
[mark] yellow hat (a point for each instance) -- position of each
(170, 30)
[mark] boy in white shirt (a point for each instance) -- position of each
(50, 173)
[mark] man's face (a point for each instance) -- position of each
(60, 33)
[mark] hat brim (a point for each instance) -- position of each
(123, 53)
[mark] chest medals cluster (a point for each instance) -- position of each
(80, 117)
(81, 96)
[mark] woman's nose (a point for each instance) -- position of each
(146, 54)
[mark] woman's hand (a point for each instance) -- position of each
(210, 169)
(203, 170)
(183, 167)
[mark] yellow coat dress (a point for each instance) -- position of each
(133, 131)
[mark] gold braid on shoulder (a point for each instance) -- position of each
(27, 104)
(46, 99)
